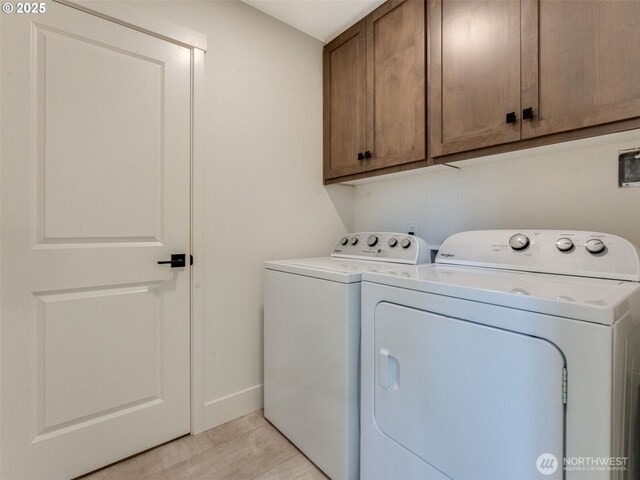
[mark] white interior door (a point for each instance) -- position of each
(475, 402)
(94, 191)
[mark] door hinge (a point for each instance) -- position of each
(191, 260)
(564, 386)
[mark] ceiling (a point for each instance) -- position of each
(322, 19)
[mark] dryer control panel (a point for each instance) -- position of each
(383, 247)
(585, 254)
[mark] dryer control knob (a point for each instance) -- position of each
(344, 241)
(594, 245)
(354, 240)
(564, 244)
(372, 240)
(519, 241)
(392, 242)
(405, 243)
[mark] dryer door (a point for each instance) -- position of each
(473, 401)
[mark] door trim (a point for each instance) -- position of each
(198, 151)
(144, 22)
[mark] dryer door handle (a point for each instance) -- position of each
(384, 368)
(389, 370)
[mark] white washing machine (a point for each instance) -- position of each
(515, 356)
(311, 344)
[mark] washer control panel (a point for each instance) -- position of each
(383, 247)
(585, 254)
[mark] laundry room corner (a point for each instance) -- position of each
(319, 239)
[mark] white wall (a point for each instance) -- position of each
(567, 186)
(262, 179)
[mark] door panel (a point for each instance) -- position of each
(474, 74)
(94, 191)
(578, 67)
(396, 84)
(120, 147)
(470, 400)
(115, 366)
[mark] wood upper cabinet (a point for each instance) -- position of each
(396, 84)
(580, 63)
(374, 92)
(345, 105)
(559, 66)
(474, 74)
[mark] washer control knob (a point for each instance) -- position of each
(354, 240)
(393, 242)
(594, 245)
(564, 244)
(519, 241)
(344, 241)
(372, 240)
(405, 243)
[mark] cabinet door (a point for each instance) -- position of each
(396, 84)
(345, 73)
(580, 64)
(474, 74)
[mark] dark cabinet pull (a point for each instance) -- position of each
(177, 260)
(527, 113)
(367, 154)
(511, 117)
(360, 156)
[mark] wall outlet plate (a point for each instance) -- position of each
(629, 167)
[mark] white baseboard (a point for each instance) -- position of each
(222, 410)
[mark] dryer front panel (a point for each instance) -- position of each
(472, 401)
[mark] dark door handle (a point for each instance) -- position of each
(511, 117)
(360, 156)
(177, 260)
(367, 154)
(527, 113)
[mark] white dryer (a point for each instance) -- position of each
(515, 356)
(311, 344)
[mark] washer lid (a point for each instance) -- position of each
(328, 268)
(588, 299)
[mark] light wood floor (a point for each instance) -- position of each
(247, 448)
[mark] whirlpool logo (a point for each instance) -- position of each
(446, 255)
(547, 464)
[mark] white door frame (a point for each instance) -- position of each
(131, 17)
